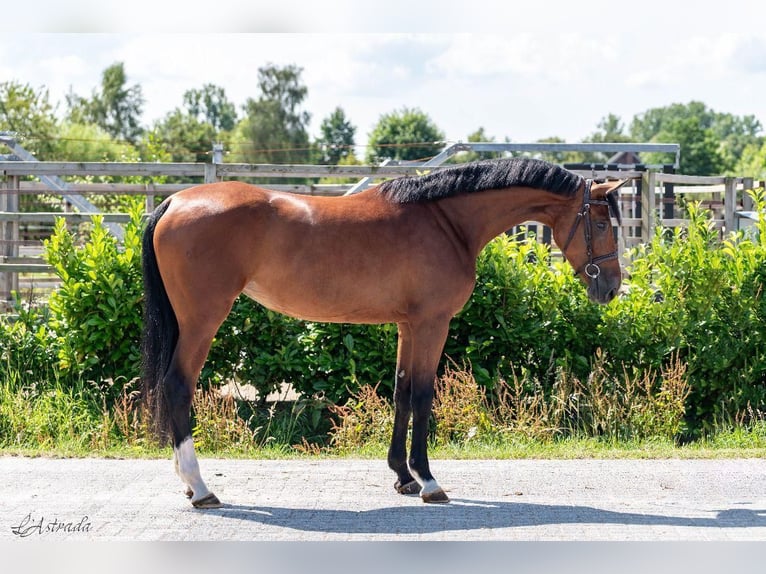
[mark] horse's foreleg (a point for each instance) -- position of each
(397, 452)
(428, 343)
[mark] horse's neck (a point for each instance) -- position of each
(484, 215)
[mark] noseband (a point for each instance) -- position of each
(591, 268)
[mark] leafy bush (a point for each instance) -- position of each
(340, 358)
(255, 346)
(96, 311)
(525, 313)
(693, 294)
(28, 347)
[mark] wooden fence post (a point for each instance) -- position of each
(211, 169)
(729, 203)
(9, 237)
(747, 201)
(150, 189)
(648, 205)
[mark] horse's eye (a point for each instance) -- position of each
(601, 226)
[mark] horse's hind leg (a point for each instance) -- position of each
(397, 452)
(179, 395)
(179, 385)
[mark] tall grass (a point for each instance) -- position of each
(636, 407)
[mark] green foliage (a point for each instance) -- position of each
(187, 138)
(752, 163)
(115, 107)
(339, 358)
(210, 105)
(275, 127)
(337, 140)
(690, 293)
(263, 348)
(406, 134)
(29, 113)
(255, 346)
(89, 142)
(711, 142)
(96, 311)
(188, 134)
(523, 314)
(28, 347)
(699, 146)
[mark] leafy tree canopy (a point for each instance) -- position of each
(337, 139)
(115, 107)
(711, 142)
(406, 134)
(185, 137)
(210, 105)
(28, 112)
(275, 126)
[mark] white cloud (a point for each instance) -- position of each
(535, 80)
(557, 58)
(749, 54)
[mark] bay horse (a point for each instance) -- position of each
(402, 252)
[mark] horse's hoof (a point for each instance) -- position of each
(189, 492)
(209, 501)
(437, 496)
(411, 487)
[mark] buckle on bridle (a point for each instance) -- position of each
(592, 274)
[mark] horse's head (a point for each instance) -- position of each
(587, 240)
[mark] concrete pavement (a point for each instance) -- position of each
(325, 500)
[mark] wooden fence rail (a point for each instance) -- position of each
(646, 203)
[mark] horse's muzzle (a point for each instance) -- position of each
(603, 289)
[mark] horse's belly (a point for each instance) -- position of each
(307, 304)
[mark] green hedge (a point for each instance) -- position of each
(687, 294)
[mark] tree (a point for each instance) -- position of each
(699, 146)
(210, 105)
(729, 134)
(752, 163)
(407, 134)
(185, 137)
(116, 108)
(610, 129)
(735, 134)
(89, 142)
(337, 139)
(188, 134)
(275, 126)
(28, 113)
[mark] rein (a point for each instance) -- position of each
(591, 268)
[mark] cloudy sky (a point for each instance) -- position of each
(522, 70)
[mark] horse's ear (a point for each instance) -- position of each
(615, 185)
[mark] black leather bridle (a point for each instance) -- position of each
(591, 268)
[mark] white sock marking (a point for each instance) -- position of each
(187, 468)
(426, 486)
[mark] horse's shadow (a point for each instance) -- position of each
(463, 514)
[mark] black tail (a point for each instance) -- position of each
(160, 331)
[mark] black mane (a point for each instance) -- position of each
(481, 176)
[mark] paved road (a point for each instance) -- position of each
(321, 500)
